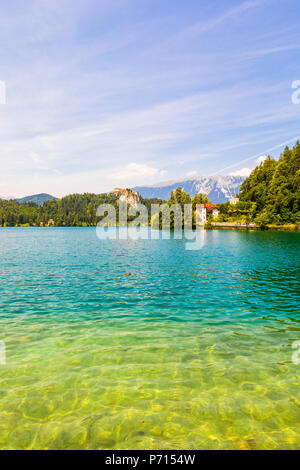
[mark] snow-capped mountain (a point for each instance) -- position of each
(219, 189)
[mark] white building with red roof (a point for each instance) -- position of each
(205, 210)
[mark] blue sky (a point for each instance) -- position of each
(104, 93)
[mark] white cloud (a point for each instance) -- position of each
(261, 159)
(246, 171)
(135, 173)
(192, 173)
(242, 172)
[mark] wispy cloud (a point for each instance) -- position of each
(100, 90)
(267, 51)
(258, 158)
(204, 26)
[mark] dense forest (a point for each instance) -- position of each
(76, 210)
(271, 194)
(79, 210)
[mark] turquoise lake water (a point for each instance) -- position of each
(192, 351)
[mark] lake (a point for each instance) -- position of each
(193, 350)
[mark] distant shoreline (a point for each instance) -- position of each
(215, 226)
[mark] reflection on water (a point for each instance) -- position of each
(193, 350)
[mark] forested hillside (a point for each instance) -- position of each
(73, 210)
(70, 211)
(271, 194)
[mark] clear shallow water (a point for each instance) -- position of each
(194, 350)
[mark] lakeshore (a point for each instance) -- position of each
(214, 226)
(241, 226)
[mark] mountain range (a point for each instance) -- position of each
(219, 189)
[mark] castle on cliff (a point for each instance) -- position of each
(128, 195)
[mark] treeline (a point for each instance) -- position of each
(76, 210)
(14, 214)
(271, 194)
(177, 218)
